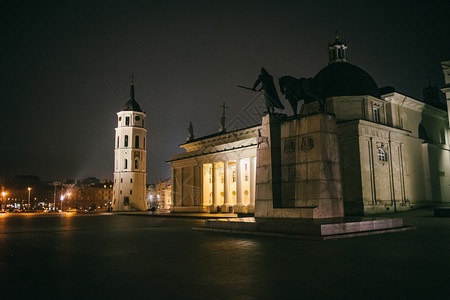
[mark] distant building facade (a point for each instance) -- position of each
(159, 195)
(394, 149)
(88, 195)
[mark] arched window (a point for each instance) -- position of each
(127, 121)
(382, 156)
(118, 142)
(126, 141)
(135, 163)
(126, 163)
(136, 141)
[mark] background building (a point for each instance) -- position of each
(159, 195)
(89, 195)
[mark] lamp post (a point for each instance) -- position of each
(62, 198)
(68, 197)
(3, 200)
(29, 192)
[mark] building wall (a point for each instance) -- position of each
(416, 170)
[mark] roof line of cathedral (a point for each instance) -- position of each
(218, 134)
(213, 152)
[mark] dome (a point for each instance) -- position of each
(131, 105)
(345, 79)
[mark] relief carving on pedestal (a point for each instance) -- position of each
(307, 143)
(289, 146)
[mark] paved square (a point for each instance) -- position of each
(130, 257)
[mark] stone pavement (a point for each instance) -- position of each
(122, 257)
(179, 215)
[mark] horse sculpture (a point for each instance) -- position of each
(307, 89)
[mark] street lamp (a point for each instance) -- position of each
(62, 198)
(29, 192)
(3, 200)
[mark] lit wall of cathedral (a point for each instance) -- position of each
(216, 174)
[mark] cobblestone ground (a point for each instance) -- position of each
(131, 257)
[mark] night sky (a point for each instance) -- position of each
(65, 68)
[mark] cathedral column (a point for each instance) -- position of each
(213, 180)
(252, 179)
(226, 182)
(238, 182)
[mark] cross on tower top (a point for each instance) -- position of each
(224, 107)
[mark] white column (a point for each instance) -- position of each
(213, 194)
(238, 182)
(252, 179)
(226, 184)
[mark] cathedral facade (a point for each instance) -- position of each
(394, 150)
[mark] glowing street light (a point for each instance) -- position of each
(3, 200)
(29, 192)
(62, 198)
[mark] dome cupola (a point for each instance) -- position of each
(337, 51)
(341, 78)
(131, 105)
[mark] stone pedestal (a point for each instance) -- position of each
(298, 172)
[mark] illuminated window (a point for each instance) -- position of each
(381, 155)
(127, 121)
(246, 172)
(135, 163)
(136, 141)
(234, 175)
(221, 177)
(126, 141)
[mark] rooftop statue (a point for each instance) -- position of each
(307, 89)
(190, 130)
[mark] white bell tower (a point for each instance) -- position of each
(130, 158)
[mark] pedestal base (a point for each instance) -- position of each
(333, 228)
